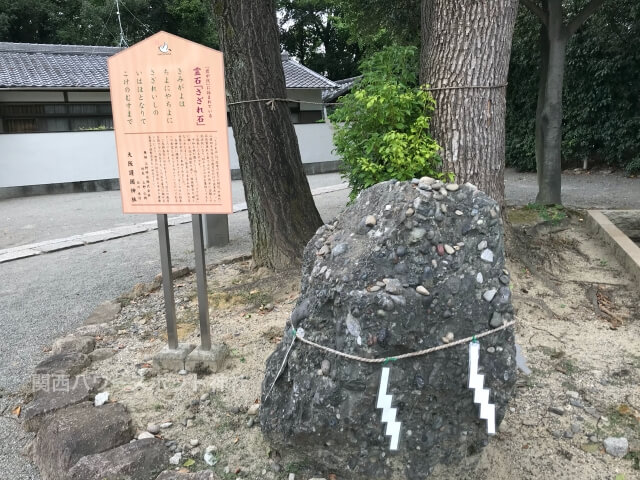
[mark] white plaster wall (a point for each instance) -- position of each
(307, 95)
(315, 141)
(42, 158)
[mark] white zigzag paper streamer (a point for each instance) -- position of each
(480, 395)
(388, 412)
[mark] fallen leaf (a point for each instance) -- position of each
(236, 440)
(189, 462)
(16, 411)
(238, 470)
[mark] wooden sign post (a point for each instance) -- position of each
(170, 121)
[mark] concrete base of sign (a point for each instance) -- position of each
(170, 359)
(216, 230)
(207, 361)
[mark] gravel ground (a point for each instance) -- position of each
(579, 190)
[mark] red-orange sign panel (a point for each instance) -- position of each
(170, 121)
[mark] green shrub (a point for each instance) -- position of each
(382, 126)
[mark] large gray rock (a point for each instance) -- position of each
(70, 364)
(70, 434)
(58, 393)
(140, 460)
(74, 343)
(414, 279)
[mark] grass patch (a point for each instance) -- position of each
(549, 213)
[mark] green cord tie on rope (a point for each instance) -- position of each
(389, 359)
(474, 339)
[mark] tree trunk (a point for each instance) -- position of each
(549, 116)
(467, 44)
(555, 35)
(550, 178)
(282, 213)
(542, 88)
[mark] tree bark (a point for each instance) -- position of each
(282, 213)
(468, 44)
(542, 88)
(550, 117)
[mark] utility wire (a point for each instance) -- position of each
(123, 40)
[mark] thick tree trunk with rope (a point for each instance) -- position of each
(465, 53)
(282, 213)
(554, 36)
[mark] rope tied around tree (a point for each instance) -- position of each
(270, 102)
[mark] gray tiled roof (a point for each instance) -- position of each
(50, 66)
(297, 75)
(30, 65)
(343, 87)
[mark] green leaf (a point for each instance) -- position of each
(189, 463)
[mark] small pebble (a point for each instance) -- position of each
(482, 245)
(153, 428)
(557, 410)
(175, 460)
(194, 442)
(410, 212)
(452, 187)
(250, 422)
(459, 213)
(325, 367)
(101, 399)
(421, 290)
(616, 446)
(449, 249)
(489, 294)
(144, 435)
(165, 425)
(253, 409)
(479, 278)
(487, 256)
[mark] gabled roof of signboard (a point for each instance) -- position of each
(30, 65)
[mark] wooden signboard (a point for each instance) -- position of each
(170, 121)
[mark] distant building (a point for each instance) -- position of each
(56, 126)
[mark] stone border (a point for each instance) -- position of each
(627, 252)
(49, 246)
(100, 441)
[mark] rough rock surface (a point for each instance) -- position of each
(140, 460)
(73, 343)
(58, 394)
(416, 278)
(70, 434)
(70, 364)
